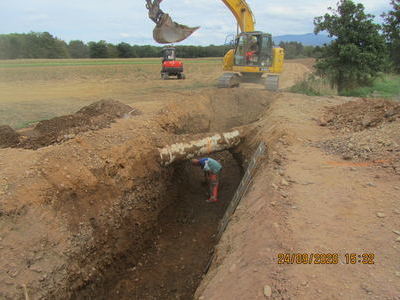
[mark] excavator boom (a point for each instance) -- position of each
(242, 13)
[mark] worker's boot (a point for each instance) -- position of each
(213, 188)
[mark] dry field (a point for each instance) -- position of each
(32, 90)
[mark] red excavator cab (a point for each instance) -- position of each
(171, 66)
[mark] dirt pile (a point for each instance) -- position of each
(8, 136)
(92, 117)
(361, 114)
(369, 132)
(110, 108)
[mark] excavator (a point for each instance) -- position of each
(253, 55)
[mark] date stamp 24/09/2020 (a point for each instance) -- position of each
(326, 258)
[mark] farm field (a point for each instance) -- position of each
(34, 90)
(99, 201)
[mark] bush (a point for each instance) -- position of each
(312, 86)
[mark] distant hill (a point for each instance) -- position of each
(308, 39)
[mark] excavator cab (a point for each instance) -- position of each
(253, 49)
(169, 54)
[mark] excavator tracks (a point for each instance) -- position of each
(229, 80)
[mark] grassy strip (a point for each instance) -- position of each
(387, 86)
(97, 63)
(30, 123)
(312, 86)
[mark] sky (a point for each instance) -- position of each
(126, 20)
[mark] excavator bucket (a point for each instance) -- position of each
(168, 31)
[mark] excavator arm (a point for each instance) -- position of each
(167, 31)
(242, 13)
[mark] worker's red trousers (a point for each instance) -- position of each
(213, 182)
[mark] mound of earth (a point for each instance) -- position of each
(371, 132)
(111, 108)
(361, 114)
(92, 117)
(8, 137)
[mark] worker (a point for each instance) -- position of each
(212, 169)
(252, 54)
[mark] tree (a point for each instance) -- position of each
(112, 51)
(124, 50)
(391, 28)
(78, 49)
(292, 49)
(98, 50)
(357, 54)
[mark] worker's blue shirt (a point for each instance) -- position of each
(210, 165)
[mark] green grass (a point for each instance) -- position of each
(30, 123)
(312, 86)
(387, 86)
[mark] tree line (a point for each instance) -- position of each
(45, 45)
(298, 50)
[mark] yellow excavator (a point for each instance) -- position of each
(253, 55)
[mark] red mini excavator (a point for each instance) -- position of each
(171, 66)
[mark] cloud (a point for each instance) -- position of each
(126, 20)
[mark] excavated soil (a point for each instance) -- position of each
(56, 130)
(8, 137)
(361, 114)
(369, 132)
(93, 215)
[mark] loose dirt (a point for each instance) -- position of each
(361, 114)
(56, 130)
(8, 136)
(369, 132)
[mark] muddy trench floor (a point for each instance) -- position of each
(174, 264)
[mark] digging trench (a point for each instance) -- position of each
(177, 252)
(156, 240)
(172, 265)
